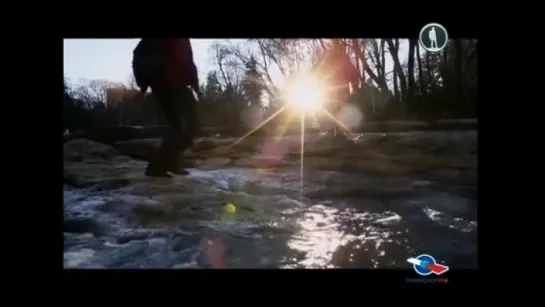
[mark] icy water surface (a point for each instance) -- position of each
(337, 220)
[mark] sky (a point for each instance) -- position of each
(110, 59)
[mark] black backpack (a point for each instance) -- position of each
(147, 62)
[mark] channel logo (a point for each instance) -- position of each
(425, 265)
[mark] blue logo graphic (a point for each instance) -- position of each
(422, 269)
(425, 265)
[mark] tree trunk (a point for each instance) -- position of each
(397, 66)
(410, 68)
(420, 71)
(359, 53)
(431, 78)
(396, 87)
(379, 78)
(458, 69)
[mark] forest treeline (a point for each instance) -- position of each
(400, 82)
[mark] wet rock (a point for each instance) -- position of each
(444, 202)
(141, 234)
(74, 158)
(157, 216)
(151, 210)
(78, 150)
(79, 258)
(112, 184)
(206, 144)
(100, 166)
(72, 180)
(142, 149)
(213, 163)
(80, 240)
(131, 256)
(83, 225)
(316, 145)
(185, 242)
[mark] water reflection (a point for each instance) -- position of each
(317, 238)
(328, 237)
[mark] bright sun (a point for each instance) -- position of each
(305, 93)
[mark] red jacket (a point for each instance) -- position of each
(335, 66)
(180, 68)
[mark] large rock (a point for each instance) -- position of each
(87, 163)
(373, 152)
(419, 149)
(112, 134)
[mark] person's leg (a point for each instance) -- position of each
(327, 120)
(180, 118)
(169, 152)
(343, 96)
(333, 122)
(335, 109)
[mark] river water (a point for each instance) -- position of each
(334, 220)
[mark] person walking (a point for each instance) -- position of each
(167, 67)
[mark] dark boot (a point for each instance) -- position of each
(174, 163)
(156, 167)
(334, 130)
(179, 108)
(176, 166)
(180, 171)
(153, 170)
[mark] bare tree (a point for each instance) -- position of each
(376, 64)
(393, 46)
(410, 68)
(98, 89)
(231, 69)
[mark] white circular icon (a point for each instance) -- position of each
(433, 37)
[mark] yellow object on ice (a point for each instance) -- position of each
(231, 209)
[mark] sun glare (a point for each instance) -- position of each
(305, 93)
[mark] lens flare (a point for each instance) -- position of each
(305, 93)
